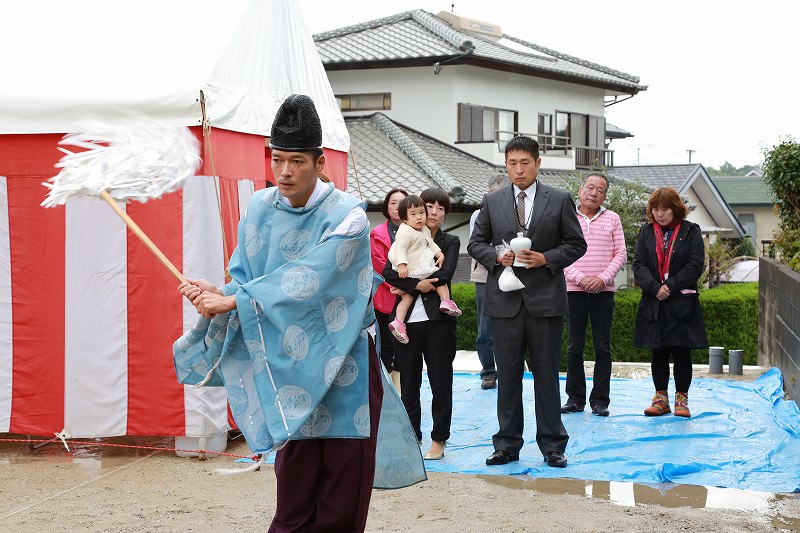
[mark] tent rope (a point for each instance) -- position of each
(209, 149)
(355, 173)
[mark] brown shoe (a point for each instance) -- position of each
(682, 404)
(660, 404)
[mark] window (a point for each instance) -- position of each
(577, 129)
(748, 222)
(545, 130)
(364, 102)
(482, 124)
(562, 129)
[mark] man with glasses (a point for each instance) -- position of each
(590, 296)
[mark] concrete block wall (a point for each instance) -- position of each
(779, 322)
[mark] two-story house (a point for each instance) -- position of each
(466, 83)
(431, 99)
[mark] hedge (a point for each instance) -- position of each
(730, 313)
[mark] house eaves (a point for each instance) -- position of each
(418, 38)
(682, 178)
(715, 203)
(386, 154)
(615, 132)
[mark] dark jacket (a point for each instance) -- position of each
(676, 321)
(450, 245)
(554, 231)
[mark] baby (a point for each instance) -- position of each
(414, 254)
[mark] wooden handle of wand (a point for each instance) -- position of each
(143, 236)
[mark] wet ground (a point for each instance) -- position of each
(46, 472)
(154, 488)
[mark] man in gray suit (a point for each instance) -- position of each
(531, 318)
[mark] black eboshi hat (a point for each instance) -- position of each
(296, 127)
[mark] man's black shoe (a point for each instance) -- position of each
(571, 407)
(556, 459)
(600, 411)
(501, 457)
(489, 382)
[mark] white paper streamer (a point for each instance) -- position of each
(130, 163)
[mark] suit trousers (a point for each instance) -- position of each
(433, 341)
(483, 342)
(324, 485)
(599, 310)
(541, 337)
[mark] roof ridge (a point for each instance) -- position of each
(576, 60)
(460, 40)
(416, 154)
(659, 165)
(361, 26)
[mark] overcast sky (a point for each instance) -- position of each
(723, 76)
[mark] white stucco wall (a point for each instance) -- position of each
(428, 102)
(766, 223)
(699, 215)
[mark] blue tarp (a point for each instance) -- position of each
(741, 435)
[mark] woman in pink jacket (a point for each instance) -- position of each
(381, 239)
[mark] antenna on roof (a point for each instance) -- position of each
(452, 8)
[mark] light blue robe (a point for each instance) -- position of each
(293, 356)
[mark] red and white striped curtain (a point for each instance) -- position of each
(88, 316)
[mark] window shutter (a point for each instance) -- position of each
(597, 131)
(464, 122)
(477, 123)
(470, 123)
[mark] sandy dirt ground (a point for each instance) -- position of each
(107, 489)
(120, 490)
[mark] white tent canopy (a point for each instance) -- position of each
(64, 63)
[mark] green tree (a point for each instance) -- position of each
(727, 169)
(741, 246)
(718, 257)
(782, 175)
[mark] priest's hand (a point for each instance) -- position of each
(210, 303)
(205, 285)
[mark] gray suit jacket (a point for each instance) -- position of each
(554, 231)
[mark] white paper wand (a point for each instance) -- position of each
(130, 163)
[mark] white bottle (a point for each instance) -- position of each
(519, 243)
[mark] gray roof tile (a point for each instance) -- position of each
(387, 154)
(419, 34)
(741, 190)
(675, 176)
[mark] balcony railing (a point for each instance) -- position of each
(592, 157)
(585, 156)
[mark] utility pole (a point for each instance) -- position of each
(690, 154)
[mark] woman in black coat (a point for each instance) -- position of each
(669, 259)
(431, 333)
